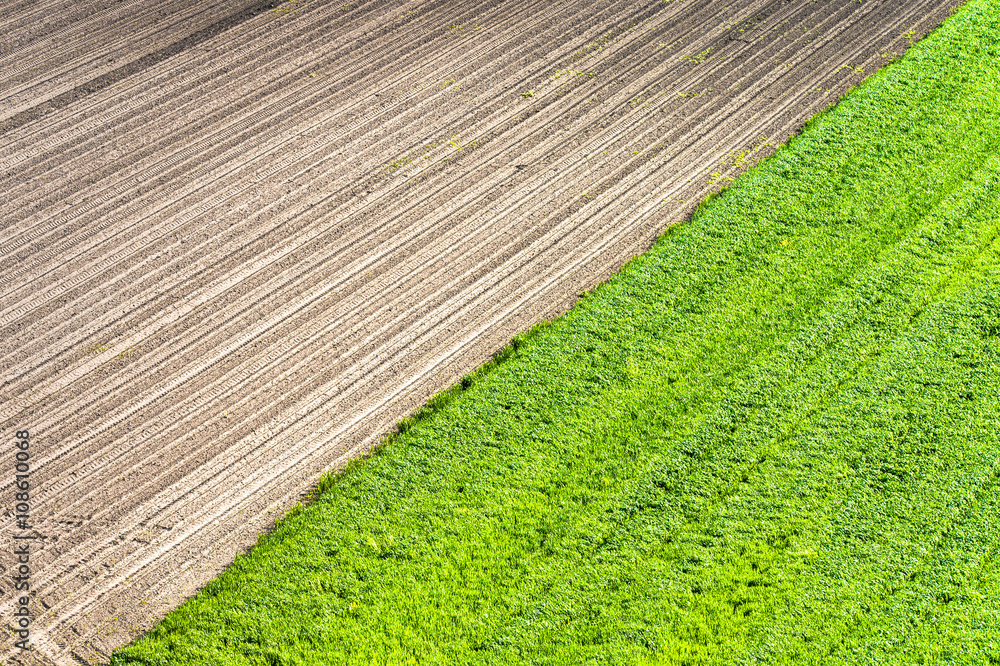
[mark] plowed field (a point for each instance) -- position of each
(239, 243)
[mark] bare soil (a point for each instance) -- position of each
(240, 243)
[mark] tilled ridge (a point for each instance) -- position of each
(240, 267)
(84, 52)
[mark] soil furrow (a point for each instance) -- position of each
(59, 95)
(192, 154)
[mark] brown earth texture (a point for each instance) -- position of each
(241, 240)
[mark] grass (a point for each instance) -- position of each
(773, 438)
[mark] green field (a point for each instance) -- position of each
(774, 438)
